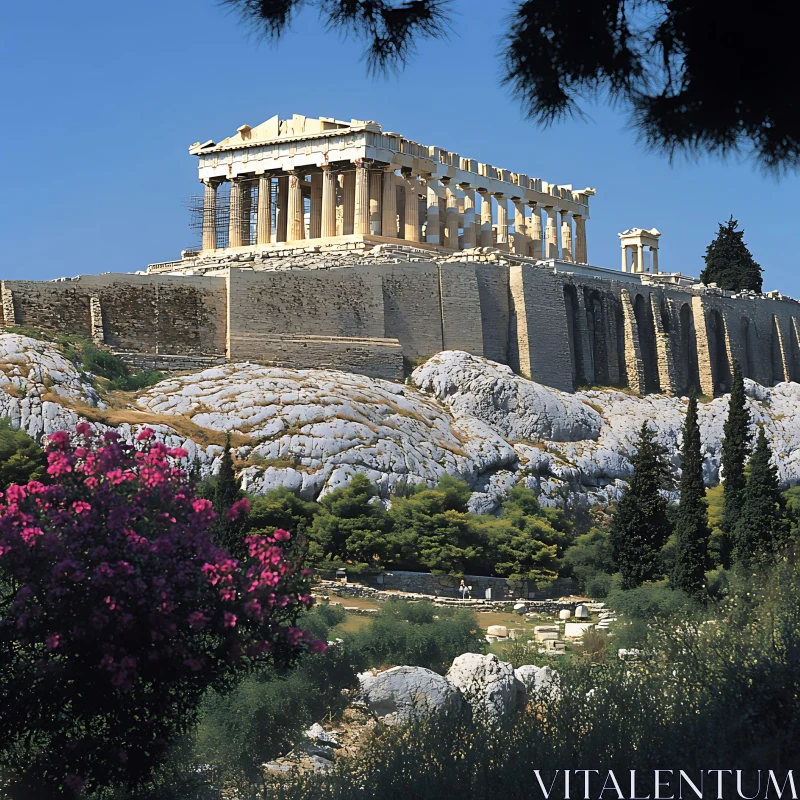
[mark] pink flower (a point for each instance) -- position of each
(197, 620)
(229, 620)
(281, 535)
(83, 429)
(317, 646)
(145, 434)
(79, 506)
(52, 641)
(238, 509)
(200, 504)
(58, 439)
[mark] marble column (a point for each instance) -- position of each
(411, 215)
(654, 257)
(210, 215)
(246, 206)
(535, 232)
(375, 184)
(315, 207)
(235, 217)
(328, 227)
(551, 232)
(640, 257)
(469, 216)
(502, 221)
(348, 202)
(521, 238)
(294, 214)
(580, 240)
(451, 219)
(433, 221)
(566, 236)
(282, 207)
(389, 204)
(264, 216)
(361, 203)
(487, 237)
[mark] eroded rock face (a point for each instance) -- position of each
(316, 428)
(403, 694)
(313, 429)
(487, 684)
(518, 409)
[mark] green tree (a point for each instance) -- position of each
(763, 527)
(729, 263)
(735, 447)
(228, 533)
(21, 458)
(433, 529)
(692, 532)
(640, 527)
(352, 526)
(281, 508)
(591, 560)
(525, 541)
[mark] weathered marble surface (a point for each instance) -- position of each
(312, 429)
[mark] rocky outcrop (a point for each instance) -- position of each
(311, 430)
(518, 409)
(487, 684)
(403, 694)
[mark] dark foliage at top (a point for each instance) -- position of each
(729, 263)
(696, 77)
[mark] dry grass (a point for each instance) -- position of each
(115, 415)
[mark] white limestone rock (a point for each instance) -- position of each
(487, 684)
(403, 694)
(538, 680)
(516, 408)
(313, 429)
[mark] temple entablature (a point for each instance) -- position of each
(308, 179)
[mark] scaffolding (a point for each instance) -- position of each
(248, 213)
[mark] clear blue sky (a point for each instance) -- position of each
(100, 101)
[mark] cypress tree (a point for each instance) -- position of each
(227, 533)
(640, 527)
(763, 528)
(691, 527)
(729, 263)
(735, 446)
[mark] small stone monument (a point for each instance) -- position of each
(581, 612)
(565, 613)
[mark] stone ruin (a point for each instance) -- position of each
(330, 244)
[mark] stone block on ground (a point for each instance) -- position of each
(487, 684)
(403, 694)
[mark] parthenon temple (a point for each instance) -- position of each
(304, 180)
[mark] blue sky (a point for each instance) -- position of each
(101, 100)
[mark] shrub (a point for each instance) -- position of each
(267, 712)
(590, 561)
(708, 694)
(417, 634)
(119, 612)
(21, 458)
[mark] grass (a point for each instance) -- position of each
(114, 416)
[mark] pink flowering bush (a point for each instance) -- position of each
(117, 613)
